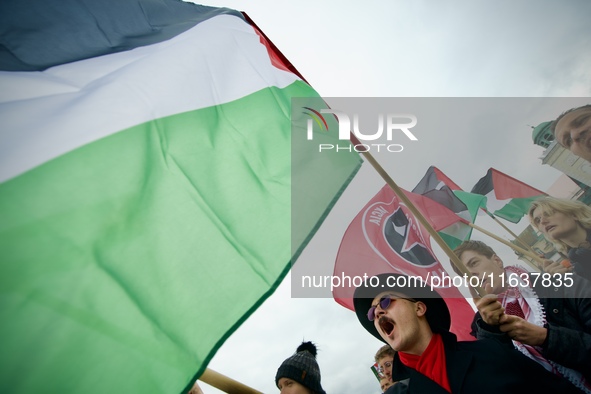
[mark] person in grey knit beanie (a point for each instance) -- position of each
(299, 370)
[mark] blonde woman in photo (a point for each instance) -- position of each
(567, 224)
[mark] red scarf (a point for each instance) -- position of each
(431, 363)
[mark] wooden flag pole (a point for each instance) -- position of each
(452, 256)
(509, 231)
(226, 384)
(529, 254)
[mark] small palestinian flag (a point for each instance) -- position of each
(436, 186)
(506, 197)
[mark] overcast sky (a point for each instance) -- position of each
(409, 49)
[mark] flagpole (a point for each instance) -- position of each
(492, 216)
(226, 384)
(529, 254)
(452, 256)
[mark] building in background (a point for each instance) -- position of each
(576, 168)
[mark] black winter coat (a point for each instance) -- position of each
(580, 258)
(486, 366)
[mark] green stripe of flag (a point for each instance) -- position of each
(146, 204)
(128, 261)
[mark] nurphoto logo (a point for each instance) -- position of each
(389, 125)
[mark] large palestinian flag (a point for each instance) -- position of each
(145, 190)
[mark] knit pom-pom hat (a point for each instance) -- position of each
(302, 368)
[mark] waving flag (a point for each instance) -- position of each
(438, 187)
(386, 237)
(145, 190)
(506, 197)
